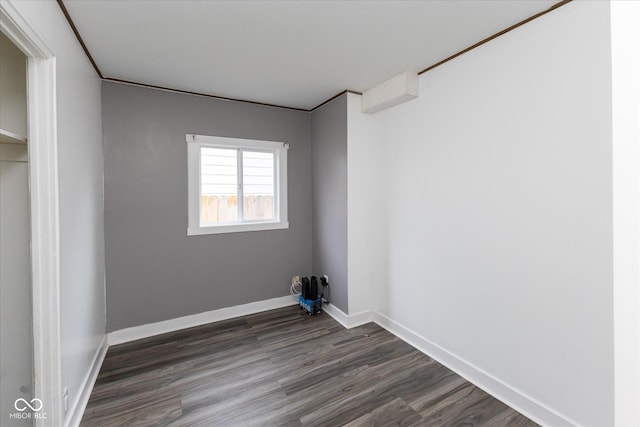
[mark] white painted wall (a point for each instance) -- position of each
(16, 338)
(625, 34)
(366, 208)
(499, 211)
(16, 343)
(81, 195)
(13, 87)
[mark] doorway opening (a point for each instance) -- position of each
(42, 173)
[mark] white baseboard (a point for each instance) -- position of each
(151, 329)
(76, 411)
(516, 399)
(347, 320)
(337, 314)
(360, 318)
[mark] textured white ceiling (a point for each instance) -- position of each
(289, 53)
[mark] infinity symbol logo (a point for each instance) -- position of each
(22, 405)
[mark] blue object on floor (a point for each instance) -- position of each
(310, 306)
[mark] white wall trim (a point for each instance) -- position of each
(45, 236)
(360, 318)
(347, 320)
(18, 30)
(76, 411)
(625, 61)
(516, 399)
(144, 331)
(337, 314)
(45, 227)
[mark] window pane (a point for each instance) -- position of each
(258, 185)
(218, 185)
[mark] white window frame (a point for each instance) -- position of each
(194, 145)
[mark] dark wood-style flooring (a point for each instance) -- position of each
(284, 368)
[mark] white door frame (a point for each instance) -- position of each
(625, 61)
(45, 226)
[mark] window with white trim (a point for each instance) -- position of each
(236, 185)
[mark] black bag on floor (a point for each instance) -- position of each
(306, 288)
(314, 288)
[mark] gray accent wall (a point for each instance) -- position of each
(329, 157)
(154, 271)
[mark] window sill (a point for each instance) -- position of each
(236, 228)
